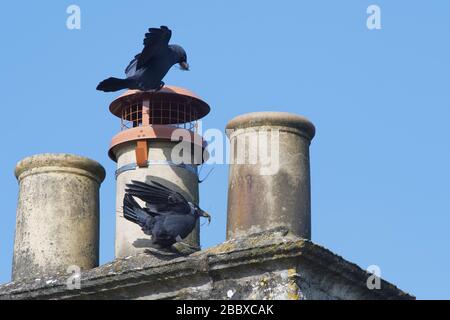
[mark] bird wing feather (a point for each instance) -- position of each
(131, 68)
(159, 198)
(155, 42)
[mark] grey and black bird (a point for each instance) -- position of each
(148, 68)
(168, 217)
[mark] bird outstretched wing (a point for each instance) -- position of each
(155, 42)
(159, 198)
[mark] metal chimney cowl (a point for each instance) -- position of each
(143, 151)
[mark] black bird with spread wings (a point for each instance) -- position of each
(168, 217)
(148, 68)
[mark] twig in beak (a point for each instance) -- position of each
(206, 215)
(184, 66)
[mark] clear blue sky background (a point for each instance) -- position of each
(379, 99)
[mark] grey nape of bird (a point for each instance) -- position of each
(148, 68)
(168, 217)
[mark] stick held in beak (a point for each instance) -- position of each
(184, 66)
(206, 215)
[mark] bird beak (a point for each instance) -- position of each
(206, 215)
(184, 66)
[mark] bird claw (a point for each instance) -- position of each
(163, 254)
(185, 248)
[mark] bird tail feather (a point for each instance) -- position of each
(132, 211)
(128, 208)
(113, 84)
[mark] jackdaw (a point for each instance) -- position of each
(168, 217)
(148, 68)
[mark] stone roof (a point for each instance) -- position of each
(246, 268)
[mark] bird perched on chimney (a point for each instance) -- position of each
(168, 217)
(148, 68)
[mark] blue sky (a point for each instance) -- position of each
(380, 101)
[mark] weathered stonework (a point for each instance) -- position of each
(57, 222)
(268, 265)
(269, 180)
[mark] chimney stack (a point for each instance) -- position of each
(269, 179)
(57, 222)
(152, 124)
